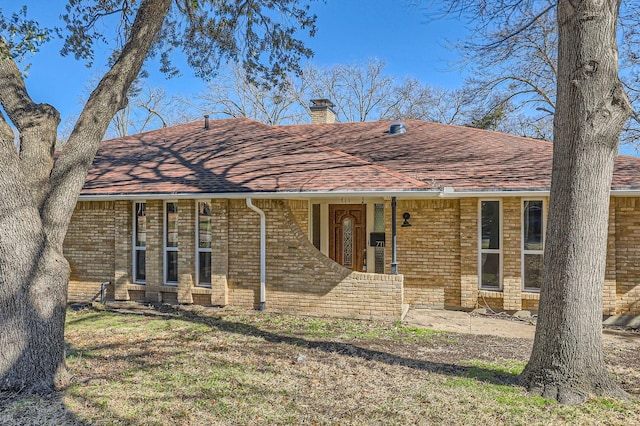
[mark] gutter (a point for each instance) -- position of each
(285, 195)
(263, 253)
(394, 260)
(447, 192)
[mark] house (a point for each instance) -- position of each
(341, 219)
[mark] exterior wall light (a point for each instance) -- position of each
(406, 216)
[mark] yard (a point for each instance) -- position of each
(201, 366)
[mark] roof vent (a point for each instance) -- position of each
(206, 121)
(397, 128)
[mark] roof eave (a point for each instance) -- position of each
(446, 192)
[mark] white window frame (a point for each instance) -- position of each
(135, 247)
(201, 249)
(482, 251)
(166, 249)
(544, 240)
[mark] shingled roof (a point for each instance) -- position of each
(241, 156)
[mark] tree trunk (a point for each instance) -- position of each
(32, 338)
(37, 199)
(567, 358)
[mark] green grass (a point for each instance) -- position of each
(235, 367)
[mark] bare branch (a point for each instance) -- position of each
(67, 177)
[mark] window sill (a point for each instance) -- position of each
(491, 293)
(531, 294)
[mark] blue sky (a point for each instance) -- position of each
(409, 41)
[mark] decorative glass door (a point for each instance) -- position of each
(347, 235)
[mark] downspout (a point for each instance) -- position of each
(263, 253)
(394, 260)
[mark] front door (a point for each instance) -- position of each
(347, 235)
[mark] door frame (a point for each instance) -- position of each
(358, 214)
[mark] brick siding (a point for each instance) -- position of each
(428, 251)
(89, 248)
(437, 257)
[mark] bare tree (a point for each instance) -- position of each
(39, 190)
(521, 71)
(413, 99)
(149, 108)
(234, 94)
(357, 90)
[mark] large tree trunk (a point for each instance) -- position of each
(567, 359)
(37, 199)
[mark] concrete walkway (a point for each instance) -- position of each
(464, 322)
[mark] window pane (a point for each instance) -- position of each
(532, 270)
(204, 225)
(172, 224)
(378, 226)
(172, 266)
(491, 225)
(141, 225)
(490, 270)
(315, 224)
(533, 225)
(140, 265)
(347, 235)
(204, 268)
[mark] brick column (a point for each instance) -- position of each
(512, 254)
(186, 250)
(123, 248)
(155, 240)
(219, 252)
(468, 253)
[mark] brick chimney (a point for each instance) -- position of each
(322, 111)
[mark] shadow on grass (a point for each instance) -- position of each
(130, 359)
(44, 410)
(482, 374)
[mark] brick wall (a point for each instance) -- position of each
(154, 255)
(91, 259)
(219, 253)
(428, 252)
(123, 256)
(609, 296)
(512, 253)
(300, 211)
(298, 277)
(437, 255)
(627, 244)
(468, 253)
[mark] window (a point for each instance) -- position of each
(315, 224)
(139, 242)
(533, 227)
(490, 252)
(203, 244)
(171, 243)
(378, 226)
(347, 242)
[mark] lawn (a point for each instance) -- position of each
(202, 366)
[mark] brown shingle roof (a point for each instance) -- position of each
(243, 156)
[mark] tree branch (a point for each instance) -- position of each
(37, 125)
(71, 168)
